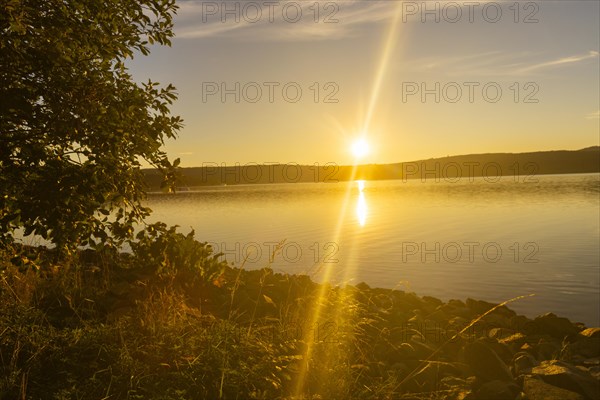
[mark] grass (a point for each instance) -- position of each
(149, 326)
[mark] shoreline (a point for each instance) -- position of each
(491, 179)
(372, 341)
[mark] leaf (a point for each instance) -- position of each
(269, 300)
(219, 281)
(89, 107)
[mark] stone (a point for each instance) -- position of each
(566, 376)
(440, 316)
(588, 344)
(500, 333)
(479, 306)
(458, 322)
(425, 379)
(429, 377)
(383, 301)
(547, 350)
(527, 347)
(497, 320)
(402, 333)
(521, 323)
(502, 350)
(557, 327)
(585, 347)
(485, 363)
(432, 301)
(422, 349)
(595, 372)
(473, 382)
(407, 352)
(537, 389)
(591, 332)
(449, 382)
(592, 362)
(456, 303)
(459, 309)
(522, 363)
(515, 341)
(497, 390)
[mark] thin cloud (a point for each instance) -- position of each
(560, 61)
(593, 115)
(495, 64)
(193, 20)
(203, 19)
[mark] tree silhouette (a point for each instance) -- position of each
(74, 125)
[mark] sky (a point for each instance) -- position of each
(301, 81)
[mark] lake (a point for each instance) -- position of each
(489, 239)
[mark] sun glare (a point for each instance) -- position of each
(360, 148)
(361, 205)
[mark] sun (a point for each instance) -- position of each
(360, 148)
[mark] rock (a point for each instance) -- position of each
(449, 382)
(500, 333)
(417, 318)
(502, 350)
(584, 347)
(522, 363)
(497, 320)
(527, 347)
(440, 316)
(456, 303)
(458, 322)
(402, 334)
(515, 341)
(422, 349)
(547, 350)
(591, 332)
(399, 368)
(497, 390)
(459, 309)
(595, 372)
(426, 379)
(406, 352)
(592, 362)
(588, 345)
(473, 382)
(485, 363)
(432, 301)
(537, 389)
(398, 317)
(431, 332)
(406, 301)
(430, 376)
(479, 306)
(383, 301)
(557, 327)
(522, 324)
(563, 375)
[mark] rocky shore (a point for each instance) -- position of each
(253, 334)
(458, 350)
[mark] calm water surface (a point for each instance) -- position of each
(473, 238)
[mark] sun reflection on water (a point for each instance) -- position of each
(361, 205)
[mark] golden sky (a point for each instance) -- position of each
(300, 81)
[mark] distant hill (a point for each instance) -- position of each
(523, 165)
